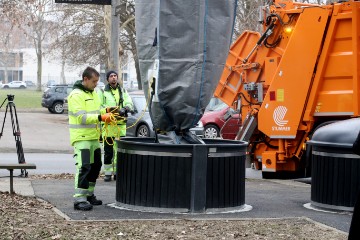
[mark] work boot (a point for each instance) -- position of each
(114, 177)
(107, 178)
(93, 201)
(83, 206)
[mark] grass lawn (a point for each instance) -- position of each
(24, 98)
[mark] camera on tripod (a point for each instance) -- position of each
(10, 106)
(10, 97)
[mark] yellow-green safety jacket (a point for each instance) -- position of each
(110, 97)
(84, 109)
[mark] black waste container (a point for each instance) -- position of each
(180, 178)
(335, 178)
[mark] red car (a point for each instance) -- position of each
(221, 121)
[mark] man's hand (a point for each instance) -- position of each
(107, 117)
(123, 112)
(112, 109)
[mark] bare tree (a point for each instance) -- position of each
(128, 33)
(7, 32)
(81, 38)
(247, 16)
(31, 16)
(91, 26)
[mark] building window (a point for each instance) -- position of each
(10, 76)
(124, 77)
(2, 76)
(15, 76)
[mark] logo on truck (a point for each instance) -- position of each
(279, 115)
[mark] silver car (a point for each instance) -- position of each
(139, 123)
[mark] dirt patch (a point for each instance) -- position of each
(52, 176)
(29, 218)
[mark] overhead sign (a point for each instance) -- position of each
(99, 2)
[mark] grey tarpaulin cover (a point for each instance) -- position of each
(182, 45)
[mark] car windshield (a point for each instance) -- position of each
(219, 107)
(140, 102)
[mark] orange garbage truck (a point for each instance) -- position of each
(302, 73)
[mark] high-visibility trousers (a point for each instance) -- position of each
(88, 166)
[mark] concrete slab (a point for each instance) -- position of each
(269, 199)
(22, 186)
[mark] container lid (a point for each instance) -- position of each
(337, 134)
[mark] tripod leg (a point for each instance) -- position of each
(16, 132)
(24, 173)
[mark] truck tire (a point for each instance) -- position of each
(58, 107)
(51, 110)
(284, 174)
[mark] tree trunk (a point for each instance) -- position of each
(39, 63)
(107, 21)
(136, 59)
(39, 69)
(138, 76)
(63, 79)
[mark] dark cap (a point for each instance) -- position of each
(109, 73)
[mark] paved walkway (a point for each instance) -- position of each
(264, 199)
(45, 140)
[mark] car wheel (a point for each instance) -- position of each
(51, 110)
(58, 107)
(22, 86)
(211, 131)
(6, 86)
(143, 131)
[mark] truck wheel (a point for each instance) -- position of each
(308, 160)
(284, 174)
(51, 110)
(268, 175)
(143, 131)
(58, 107)
(211, 131)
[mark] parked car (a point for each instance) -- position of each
(50, 83)
(30, 84)
(144, 127)
(53, 97)
(100, 85)
(14, 84)
(66, 105)
(221, 121)
(212, 104)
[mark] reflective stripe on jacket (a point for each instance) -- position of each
(84, 109)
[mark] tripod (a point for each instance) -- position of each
(16, 130)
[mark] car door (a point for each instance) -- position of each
(59, 91)
(232, 124)
(13, 85)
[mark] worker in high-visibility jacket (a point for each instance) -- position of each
(117, 98)
(85, 116)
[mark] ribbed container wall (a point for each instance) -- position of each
(154, 181)
(335, 179)
(183, 178)
(225, 182)
(335, 176)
